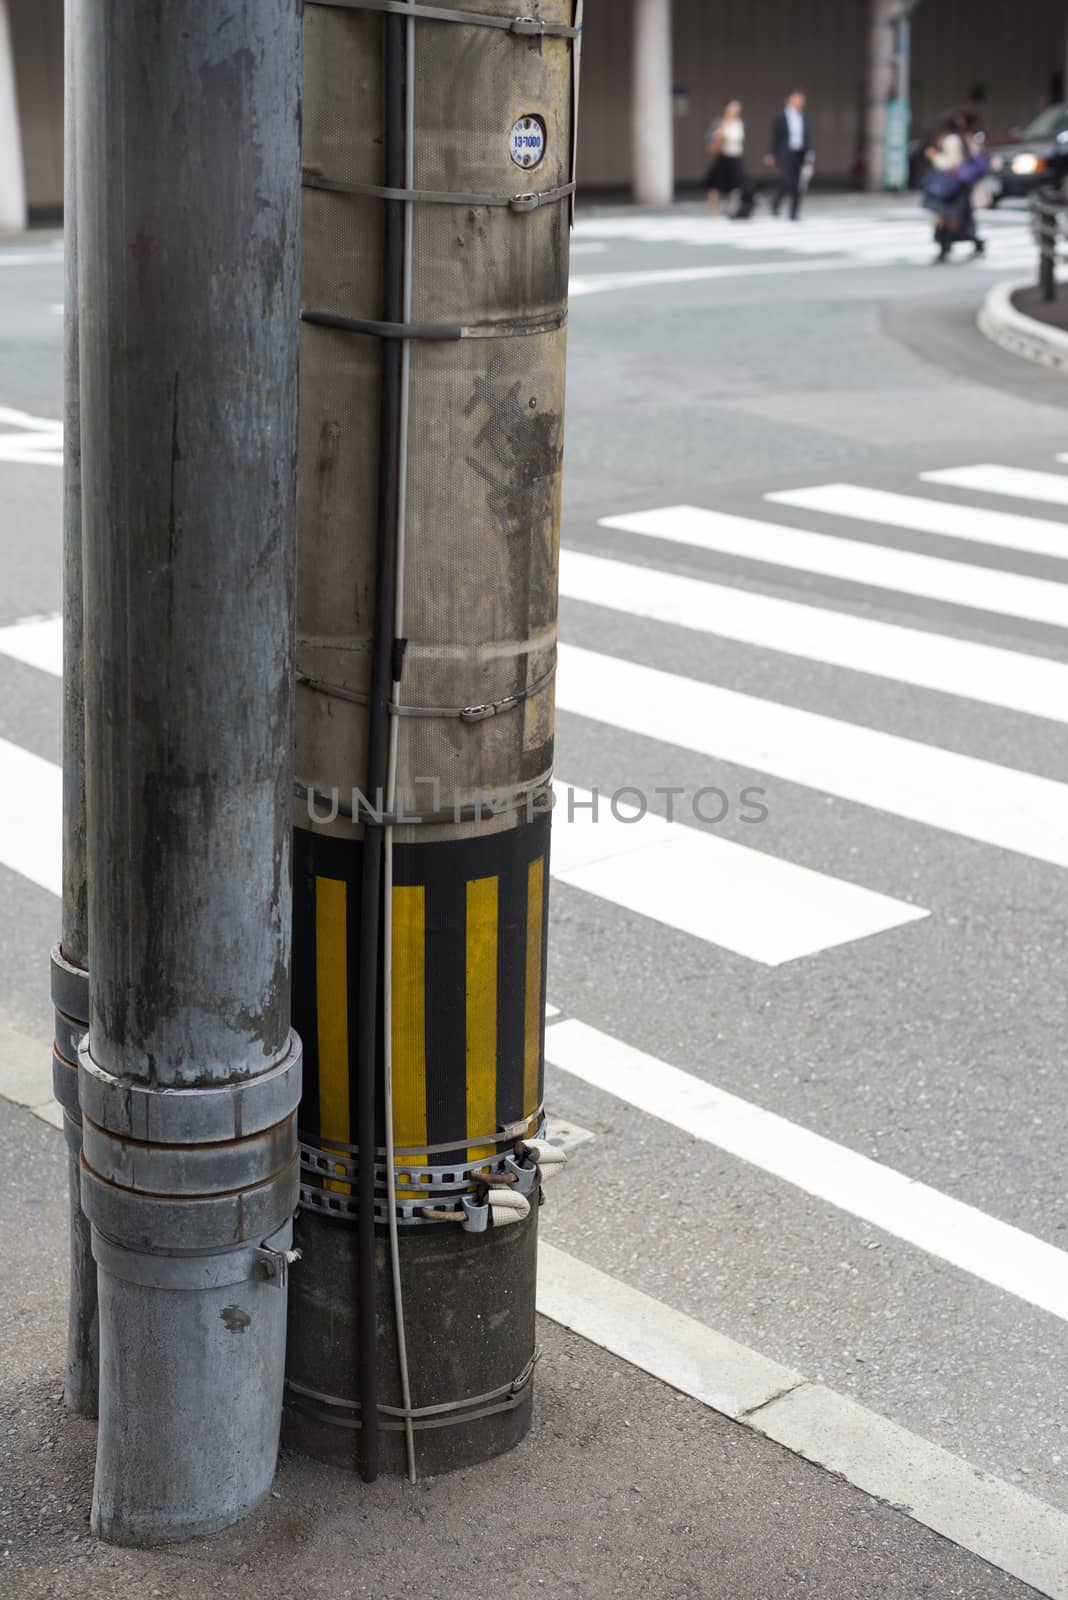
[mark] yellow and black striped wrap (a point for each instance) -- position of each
(470, 920)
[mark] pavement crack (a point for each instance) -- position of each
(780, 1394)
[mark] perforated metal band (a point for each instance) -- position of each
(525, 27)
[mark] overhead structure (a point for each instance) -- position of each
(435, 244)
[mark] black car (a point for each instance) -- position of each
(1034, 156)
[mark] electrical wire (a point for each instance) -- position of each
(382, 668)
(400, 552)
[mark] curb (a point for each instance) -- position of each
(1021, 335)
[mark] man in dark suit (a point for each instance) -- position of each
(790, 150)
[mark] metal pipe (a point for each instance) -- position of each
(70, 958)
(188, 278)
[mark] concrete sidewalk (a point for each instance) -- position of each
(623, 1487)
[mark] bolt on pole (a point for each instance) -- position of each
(188, 244)
(435, 251)
(70, 957)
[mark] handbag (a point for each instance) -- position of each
(973, 169)
(943, 186)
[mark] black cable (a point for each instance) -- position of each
(378, 733)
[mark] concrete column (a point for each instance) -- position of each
(881, 86)
(652, 124)
(12, 174)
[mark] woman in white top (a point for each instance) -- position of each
(953, 208)
(725, 143)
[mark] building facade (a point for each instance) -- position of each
(654, 74)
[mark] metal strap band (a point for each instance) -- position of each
(502, 1136)
(451, 1411)
(523, 26)
(434, 331)
(492, 708)
(441, 197)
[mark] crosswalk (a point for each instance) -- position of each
(886, 236)
(675, 870)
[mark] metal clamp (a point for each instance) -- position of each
(275, 1261)
(478, 1215)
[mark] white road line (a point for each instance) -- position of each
(948, 1229)
(37, 641)
(906, 655)
(874, 566)
(1020, 1535)
(31, 815)
(921, 783)
(31, 258)
(1022, 484)
(38, 443)
(743, 900)
(602, 283)
(1005, 529)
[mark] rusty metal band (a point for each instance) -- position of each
(491, 708)
(536, 796)
(524, 27)
(440, 197)
(434, 332)
(448, 1414)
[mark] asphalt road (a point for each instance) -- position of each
(903, 997)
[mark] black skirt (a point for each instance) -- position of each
(725, 174)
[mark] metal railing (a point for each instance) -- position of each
(1049, 227)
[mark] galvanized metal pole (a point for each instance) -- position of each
(70, 958)
(435, 262)
(188, 207)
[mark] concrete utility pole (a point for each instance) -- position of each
(652, 111)
(12, 176)
(887, 119)
(188, 238)
(70, 958)
(435, 265)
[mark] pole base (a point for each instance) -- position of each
(190, 1392)
(470, 1322)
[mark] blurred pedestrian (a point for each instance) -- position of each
(956, 166)
(725, 144)
(791, 152)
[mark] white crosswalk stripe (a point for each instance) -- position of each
(36, 641)
(1005, 529)
(982, 672)
(875, 566)
(685, 878)
(1019, 482)
(31, 816)
(921, 783)
(902, 237)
